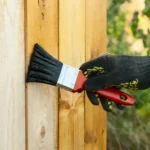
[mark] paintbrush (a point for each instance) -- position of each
(44, 68)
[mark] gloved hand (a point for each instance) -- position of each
(132, 72)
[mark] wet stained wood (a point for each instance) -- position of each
(71, 52)
(42, 28)
(95, 117)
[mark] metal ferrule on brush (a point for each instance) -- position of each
(67, 78)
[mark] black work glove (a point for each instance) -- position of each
(132, 72)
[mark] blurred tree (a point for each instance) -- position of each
(130, 129)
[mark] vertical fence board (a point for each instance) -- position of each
(12, 87)
(42, 28)
(95, 117)
(71, 52)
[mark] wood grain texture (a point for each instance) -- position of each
(12, 87)
(71, 52)
(95, 117)
(42, 28)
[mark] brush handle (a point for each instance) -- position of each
(117, 96)
(109, 93)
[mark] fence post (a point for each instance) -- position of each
(12, 75)
(72, 52)
(42, 28)
(95, 117)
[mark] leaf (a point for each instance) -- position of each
(134, 23)
(146, 11)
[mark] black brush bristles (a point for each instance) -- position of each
(43, 67)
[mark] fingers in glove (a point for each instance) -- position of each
(119, 106)
(92, 97)
(96, 99)
(106, 104)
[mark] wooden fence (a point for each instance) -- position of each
(36, 116)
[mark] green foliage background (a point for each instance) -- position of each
(128, 129)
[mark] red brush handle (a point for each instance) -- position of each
(109, 93)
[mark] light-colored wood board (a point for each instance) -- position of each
(71, 52)
(42, 28)
(12, 86)
(95, 117)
